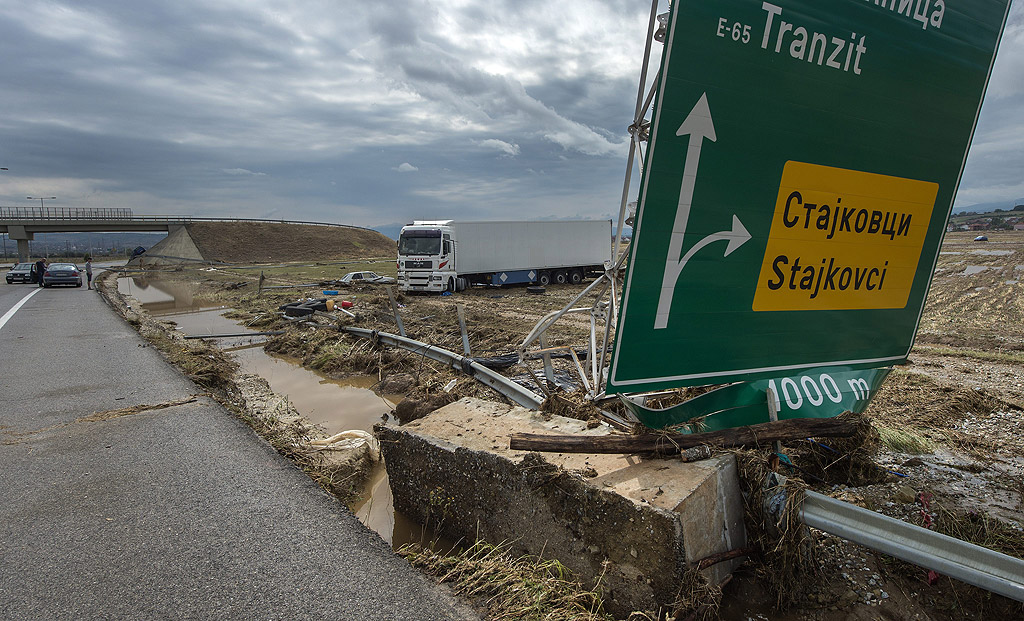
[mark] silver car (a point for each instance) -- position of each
(368, 277)
(62, 274)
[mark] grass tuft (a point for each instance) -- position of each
(903, 441)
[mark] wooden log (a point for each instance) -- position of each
(721, 557)
(671, 443)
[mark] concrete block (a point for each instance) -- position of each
(631, 524)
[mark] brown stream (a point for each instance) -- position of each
(336, 405)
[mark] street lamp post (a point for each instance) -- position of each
(5, 234)
(42, 206)
(41, 199)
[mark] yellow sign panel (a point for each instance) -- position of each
(843, 239)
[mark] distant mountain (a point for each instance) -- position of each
(390, 231)
(989, 207)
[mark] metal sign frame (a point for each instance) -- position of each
(604, 310)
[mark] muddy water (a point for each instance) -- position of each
(336, 405)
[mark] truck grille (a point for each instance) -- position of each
(417, 265)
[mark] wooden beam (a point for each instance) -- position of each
(671, 443)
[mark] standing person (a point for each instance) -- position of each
(40, 269)
(88, 270)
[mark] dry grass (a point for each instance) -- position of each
(905, 441)
(571, 405)
(204, 364)
(136, 409)
(981, 529)
(843, 461)
(975, 354)
(696, 600)
(772, 509)
(912, 400)
(511, 587)
(956, 599)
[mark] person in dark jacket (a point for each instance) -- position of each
(40, 269)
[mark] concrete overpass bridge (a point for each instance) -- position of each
(22, 223)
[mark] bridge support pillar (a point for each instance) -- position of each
(18, 233)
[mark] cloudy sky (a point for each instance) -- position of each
(356, 112)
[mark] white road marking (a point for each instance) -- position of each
(14, 309)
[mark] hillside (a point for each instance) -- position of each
(258, 242)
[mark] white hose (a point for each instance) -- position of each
(348, 439)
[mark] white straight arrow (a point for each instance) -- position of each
(698, 125)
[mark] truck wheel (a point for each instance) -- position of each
(450, 287)
(461, 284)
(544, 279)
(576, 277)
(561, 277)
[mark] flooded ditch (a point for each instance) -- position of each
(334, 405)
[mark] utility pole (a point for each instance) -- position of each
(5, 234)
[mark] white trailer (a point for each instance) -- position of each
(448, 255)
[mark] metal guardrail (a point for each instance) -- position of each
(126, 215)
(958, 559)
(502, 384)
(63, 213)
(269, 221)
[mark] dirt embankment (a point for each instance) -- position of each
(254, 242)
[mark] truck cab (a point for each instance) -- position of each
(426, 258)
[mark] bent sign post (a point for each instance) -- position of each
(803, 161)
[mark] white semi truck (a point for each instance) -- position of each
(448, 255)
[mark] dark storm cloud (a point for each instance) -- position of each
(353, 112)
(995, 165)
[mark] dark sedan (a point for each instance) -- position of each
(22, 272)
(62, 274)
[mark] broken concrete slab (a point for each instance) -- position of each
(629, 524)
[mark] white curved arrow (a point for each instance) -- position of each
(736, 238)
(698, 125)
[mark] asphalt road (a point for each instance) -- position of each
(174, 513)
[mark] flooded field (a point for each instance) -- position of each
(334, 405)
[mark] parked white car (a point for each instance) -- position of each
(369, 277)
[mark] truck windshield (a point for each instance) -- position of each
(420, 242)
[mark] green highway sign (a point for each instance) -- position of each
(803, 160)
(815, 393)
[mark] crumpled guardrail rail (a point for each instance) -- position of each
(500, 383)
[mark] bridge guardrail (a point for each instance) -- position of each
(64, 213)
(126, 215)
